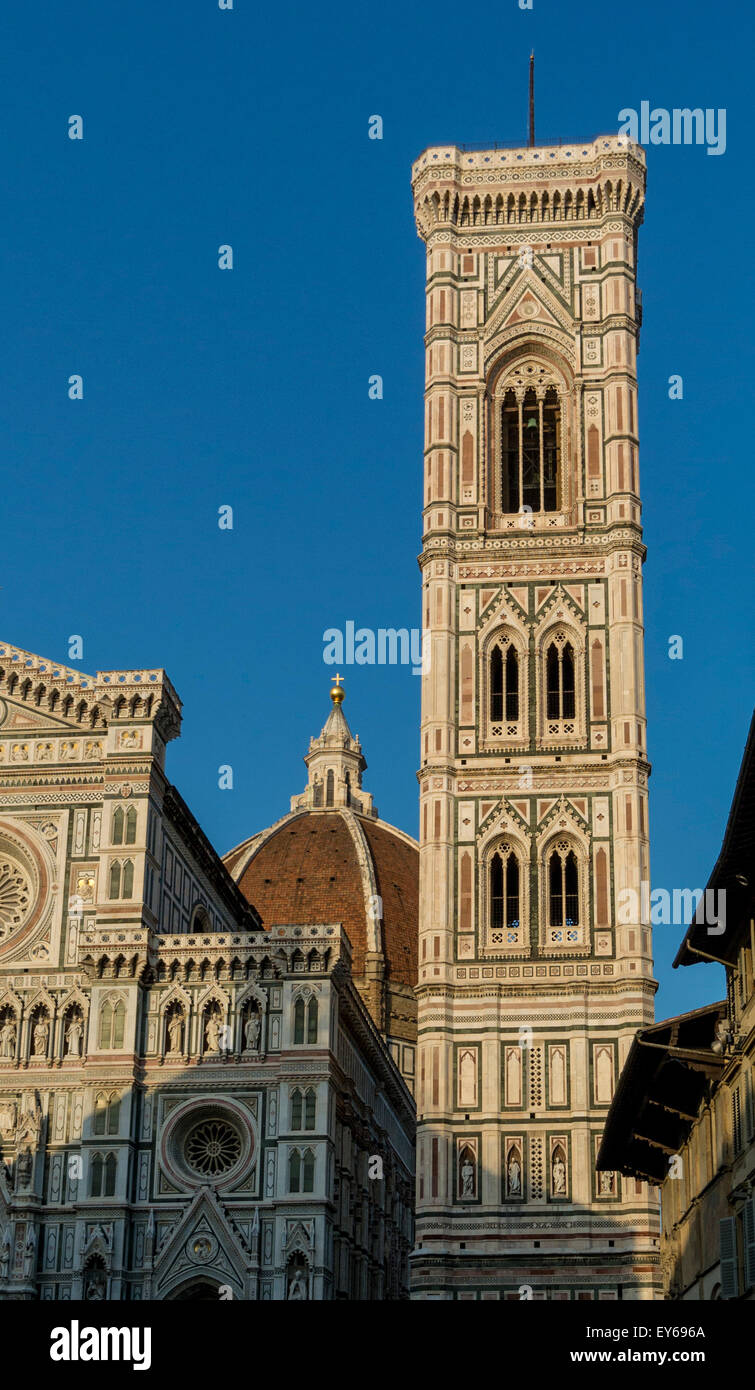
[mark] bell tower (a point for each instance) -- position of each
(535, 963)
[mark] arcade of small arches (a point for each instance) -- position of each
(580, 205)
(42, 1032)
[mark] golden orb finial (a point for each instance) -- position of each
(336, 693)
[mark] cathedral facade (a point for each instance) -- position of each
(535, 962)
(195, 1102)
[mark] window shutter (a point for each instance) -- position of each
(749, 1107)
(736, 1120)
(749, 1242)
(728, 1251)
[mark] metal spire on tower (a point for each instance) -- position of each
(531, 135)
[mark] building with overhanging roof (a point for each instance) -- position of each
(683, 1116)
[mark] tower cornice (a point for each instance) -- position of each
(454, 187)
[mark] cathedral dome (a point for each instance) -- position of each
(337, 866)
(332, 859)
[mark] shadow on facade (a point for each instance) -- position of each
(162, 1193)
(534, 1244)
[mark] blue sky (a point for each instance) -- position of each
(249, 388)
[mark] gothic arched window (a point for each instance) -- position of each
(95, 1176)
(294, 1171)
(118, 819)
(113, 1114)
(310, 1109)
(504, 890)
(115, 880)
(559, 681)
(530, 451)
(312, 1021)
(112, 1024)
(299, 1016)
(296, 1108)
(308, 1171)
(111, 1169)
(107, 1111)
(504, 683)
(330, 783)
(128, 879)
(563, 887)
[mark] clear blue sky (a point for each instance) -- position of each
(249, 387)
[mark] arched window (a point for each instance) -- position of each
(106, 1025)
(112, 1024)
(111, 1169)
(330, 783)
(130, 826)
(496, 685)
(294, 1171)
(113, 1115)
(310, 1109)
(296, 1109)
(100, 1114)
(504, 892)
(115, 880)
(559, 680)
(128, 879)
(95, 1176)
(299, 1016)
(308, 1171)
(530, 451)
(563, 887)
(118, 825)
(312, 1021)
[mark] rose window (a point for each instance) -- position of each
(15, 896)
(212, 1147)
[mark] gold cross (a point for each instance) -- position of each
(337, 680)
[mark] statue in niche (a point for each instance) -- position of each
(212, 1032)
(7, 1117)
(30, 1253)
(8, 1037)
(252, 1029)
(514, 1175)
(606, 1184)
(467, 1174)
(175, 1032)
(24, 1167)
(30, 1122)
(41, 1035)
(297, 1288)
(559, 1175)
(73, 1035)
(95, 1284)
(5, 1252)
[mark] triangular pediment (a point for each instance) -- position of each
(506, 817)
(556, 605)
(563, 815)
(526, 298)
(203, 1241)
(19, 719)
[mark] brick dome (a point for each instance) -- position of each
(328, 866)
